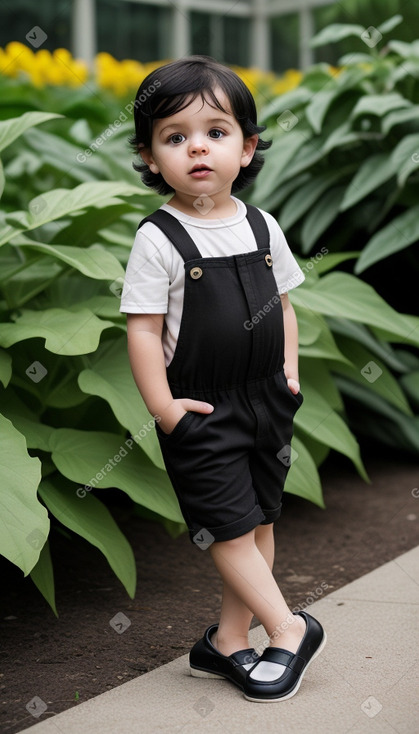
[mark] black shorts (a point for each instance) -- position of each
(228, 467)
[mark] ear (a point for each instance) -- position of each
(148, 159)
(249, 147)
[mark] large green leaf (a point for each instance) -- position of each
(57, 203)
(24, 521)
(375, 170)
(320, 216)
(15, 126)
(336, 32)
(5, 367)
(65, 332)
(43, 577)
(379, 104)
(398, 234)
(93, 261)
(405, 157)
(303, 478)
(282, 151)
(360, 333)
(90, 518)
(102, 460)
(317, 418)
(314, 336)
(306, 195)
(37, 435)
(367, 369)
(110, 378)
(379, 419)
(411, 114)
(316, 110)
(345, 296)
(56, 152)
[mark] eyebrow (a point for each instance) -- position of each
(213, 121)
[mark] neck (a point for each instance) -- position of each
(205, 206)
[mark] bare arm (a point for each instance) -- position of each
(291, 345)
(146, 357)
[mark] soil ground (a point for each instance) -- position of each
(68, 660)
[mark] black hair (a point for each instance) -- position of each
(173, 87)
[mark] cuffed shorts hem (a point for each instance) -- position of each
(271, 515)
(232, 530)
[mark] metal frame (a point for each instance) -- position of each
(259, 11)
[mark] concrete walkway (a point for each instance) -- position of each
(365, 681)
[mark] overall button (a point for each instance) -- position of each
(268, 260)
(195, 273)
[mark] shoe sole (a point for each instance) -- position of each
(298, 684)
(200, 673)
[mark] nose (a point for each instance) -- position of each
(198, 145)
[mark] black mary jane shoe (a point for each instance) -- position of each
(287, 684)
(207, 662)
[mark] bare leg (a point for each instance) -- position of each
(235, 618)
(247, 573)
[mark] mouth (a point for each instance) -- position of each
(200, 170)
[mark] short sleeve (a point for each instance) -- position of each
(146, 283)
(288, 274)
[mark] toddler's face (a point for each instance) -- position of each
(199, 150)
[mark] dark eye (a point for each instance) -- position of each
(176, 138)
(216, 134)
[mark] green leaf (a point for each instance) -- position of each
(388, 426)
(332, 259)
(379, 104)
(15, 126)
(317, 108)
(375, 170)
(370, 372)
(110, 378)
(282, 152)
(389, 24)
(403, 49)
(363, 335)
(90, 518)
(59, 154)
(342, 136)
(314, 336)
(345, 296)
(102, 460)
(398, 234)
(318, 419)
(24, 521)
(320, 216)
(65, 332)
(5, 367)
(336, 32)
(37, 435)
(303, 479)
(306, 195)
(405, 157)
(57, 203)
(93, 261)
(2, 179)
(43, 577)
(411, 114)
(410, 384)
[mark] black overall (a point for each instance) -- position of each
(224, 466)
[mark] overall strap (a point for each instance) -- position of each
(258, 224)
(176, 233)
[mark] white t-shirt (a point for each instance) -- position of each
(155, 274)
